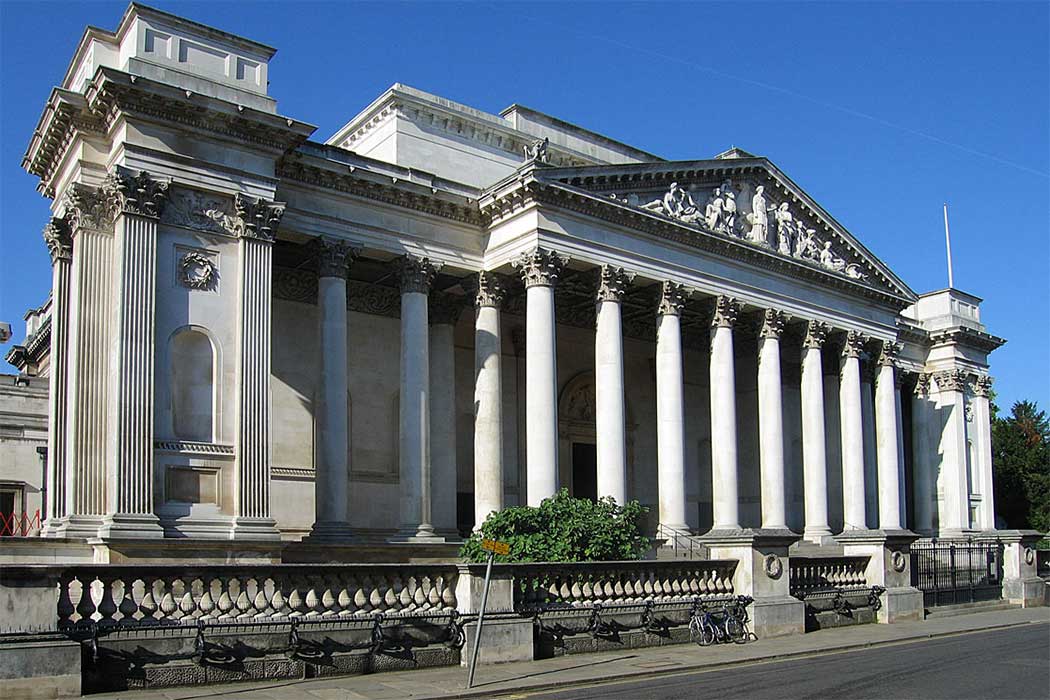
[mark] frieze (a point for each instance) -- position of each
(58, 240)
(199, 211)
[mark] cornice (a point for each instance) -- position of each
(967, 337)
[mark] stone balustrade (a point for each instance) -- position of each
(610, 583)
(821, 574)
(144, 595)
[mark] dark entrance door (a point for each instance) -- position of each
(584, 471)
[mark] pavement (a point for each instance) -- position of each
(581, 670)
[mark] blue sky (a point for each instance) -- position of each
(881, 112)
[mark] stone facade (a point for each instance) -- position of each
(438, 312)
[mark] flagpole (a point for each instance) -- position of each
(948, 245)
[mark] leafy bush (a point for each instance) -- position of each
(563, 529)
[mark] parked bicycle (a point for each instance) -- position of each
(721, 626)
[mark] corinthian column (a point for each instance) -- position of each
(954, 453)
(60, 245)
(331, 485)
(771, 422)
(415, 275)
(540, 270)
(444, 314)
(610, 414)
(982, 426)
(853, 507)
(887, 438)
(814, 454)
(137, 199)
(488, 399)
(921, 413)
(670, 407)
(256, 224)
(723, 416)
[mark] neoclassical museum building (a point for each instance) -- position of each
(437, 312)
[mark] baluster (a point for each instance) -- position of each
(65, 602)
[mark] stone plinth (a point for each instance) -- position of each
(1021, 582)
(889, 566)
(504, 638)
(762, 573)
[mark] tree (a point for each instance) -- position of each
(1021, 466)
(564, 529)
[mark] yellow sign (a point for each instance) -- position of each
(494, 546)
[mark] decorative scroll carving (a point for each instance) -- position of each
(197, 271)
(334, 257)
(415, 274)
(816, 334)
(295, 285)
(256, 218)
(951, 380)
(982, 386)
(772, 324)
(59, 241)
(537, 151)
(889, 354)
(853, 346)
(613, 283)
(445, 308)
(199, 211)
(540, 267)
(86, 207)
(672, 299)
(727, 309)
(135, 192)
(367, 298)
(488, 290)
(922, 385)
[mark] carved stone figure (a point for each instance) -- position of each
(855, 271)
(806, 246)
(759, 217)
(537, 150)
(677, 204)
(829, 260)
(720, 212)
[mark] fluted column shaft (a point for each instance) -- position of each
(887, 439)
(540, 270)
(852, 430)
(982, 425)
(332, 480)
(258, 219)
(415, 276)
(610, 412)
(771, 422)
(488, 400)
(444, 314)
(137, 199)
(60, 244)
(954, 516)
(723, 417)
(670, 408)
(922, 478)
(814, 452)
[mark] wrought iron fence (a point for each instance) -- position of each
(949, 572)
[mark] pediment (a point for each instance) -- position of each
(745, 201)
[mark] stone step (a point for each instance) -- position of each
(942, 611)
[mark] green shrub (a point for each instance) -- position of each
(564, 529)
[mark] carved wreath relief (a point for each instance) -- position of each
(773, 566)
(197, 271)
(767, 224)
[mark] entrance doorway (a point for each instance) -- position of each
(585, 470)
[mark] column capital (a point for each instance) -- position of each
(772, 324)
(889, 354)
(982, 386)
(922, 384)
(135, 192)
(257, 218)
(415, 273)
(672, 299)
(540, 267)
(816, 334)
(87, 207)
(951, 380)
(445, 309)
(613, 283)
(486, 288)
(727, 309)
(58, 239)
(853, 345)
(334, 256)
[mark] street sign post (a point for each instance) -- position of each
(493, 548)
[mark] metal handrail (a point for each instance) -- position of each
(675, 536)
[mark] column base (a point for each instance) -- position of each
(81, 526)
(124, 526)
(818, 535)
(423, 534)
(54, 527)
(330, 532)
(259, 529)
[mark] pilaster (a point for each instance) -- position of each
(982, 441)
(954, 478)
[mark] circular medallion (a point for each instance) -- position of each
(1029, 555)
(196, 271)
(900, 562)
(773, 566)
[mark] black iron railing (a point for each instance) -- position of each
(950, 572)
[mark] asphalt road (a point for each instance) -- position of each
(1003, 664)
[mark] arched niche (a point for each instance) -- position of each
(193, 359)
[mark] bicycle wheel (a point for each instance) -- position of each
(708, 634)
(695, 630)
(735, 630)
